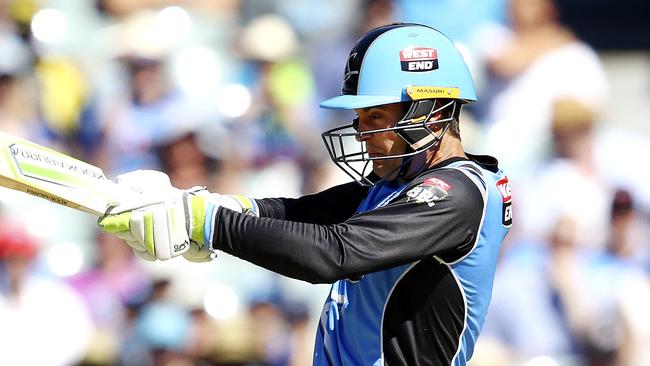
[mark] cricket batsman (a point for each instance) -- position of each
(410, 248)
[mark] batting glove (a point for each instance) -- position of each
(165, 222)
(160, 230)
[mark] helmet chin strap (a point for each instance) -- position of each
(411, 167)
(402, 170)
(418, 162)
(415, 164)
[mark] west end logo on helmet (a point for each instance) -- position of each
(418, 59)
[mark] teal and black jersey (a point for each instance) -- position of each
(412, 262)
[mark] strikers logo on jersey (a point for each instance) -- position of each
(418, 59)
(503, 186)
(429, 191)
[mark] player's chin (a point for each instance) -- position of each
(387, 172)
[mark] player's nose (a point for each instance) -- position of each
(362, 129)
(363, 136)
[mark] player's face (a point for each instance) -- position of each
(382, 143)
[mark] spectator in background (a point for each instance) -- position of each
(557, 298)
(152, 111)
(603, 331)
(325, 53)
(629, 241)
(635, 300)
(18, 111)
(568, 184)
(271, 337)
(629, 231)
(159, 331)
(528, 316)
(43, 322)
(282, 332)
(274, 137)
(43, 88)
(204, 335)
(188, 164)
(529, 67)
(114, 281)
(624, 278)
(301, 333)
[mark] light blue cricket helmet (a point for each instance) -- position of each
(402, 62)
(386, 61)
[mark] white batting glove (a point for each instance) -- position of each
(166, 222)
(137, 189)
(160, 230)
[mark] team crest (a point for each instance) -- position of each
(429, 191)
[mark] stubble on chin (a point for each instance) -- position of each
(386, 170)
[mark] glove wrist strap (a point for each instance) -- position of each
(208, 224)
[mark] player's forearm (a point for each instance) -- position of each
(325, 253)
(293, 249)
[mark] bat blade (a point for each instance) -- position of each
(40, 171)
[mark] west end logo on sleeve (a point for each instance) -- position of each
(503, 186)
(418, 59)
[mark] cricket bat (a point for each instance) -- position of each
(40, 171)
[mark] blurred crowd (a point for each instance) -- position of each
(224, 93)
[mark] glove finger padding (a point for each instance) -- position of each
(128, 237)
(161, 228)
(135, 245)
(145, 255)
(198, 253)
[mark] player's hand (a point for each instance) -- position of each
(141, 188)
(164, 229)
(162, 222)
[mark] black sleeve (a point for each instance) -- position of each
(331, 206)
(440, 214)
